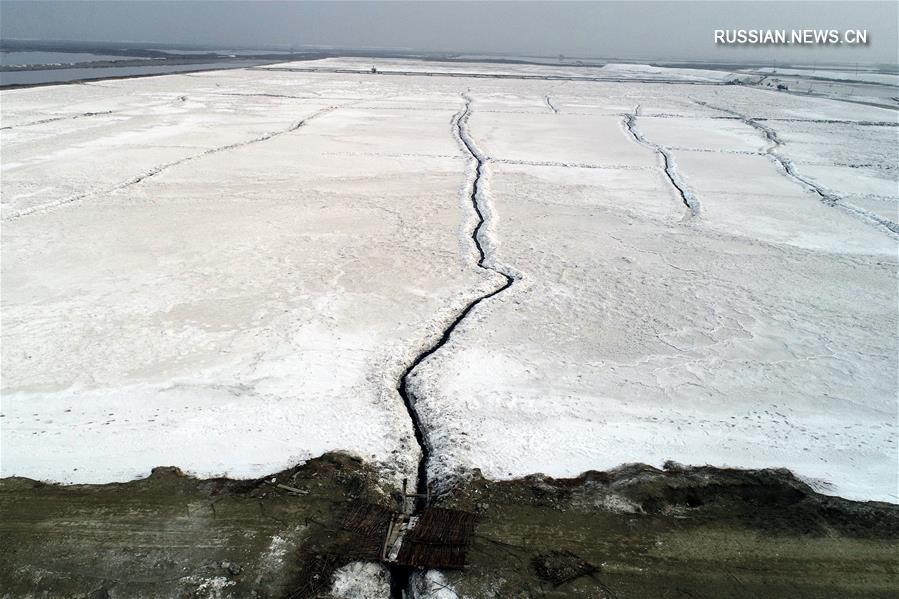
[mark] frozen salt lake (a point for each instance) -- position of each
(229, 271)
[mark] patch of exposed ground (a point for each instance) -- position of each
(631, 532)
(680, 532)
(172, 535)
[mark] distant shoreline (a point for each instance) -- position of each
(185, 60)
(81, 80)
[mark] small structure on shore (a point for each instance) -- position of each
(432, 538)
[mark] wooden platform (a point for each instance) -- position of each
(433, 538)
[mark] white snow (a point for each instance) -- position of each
(835, 75)
(432, 584)
(252, 302)
(213, 588)
(233, 314)
(757, 335)
(360, 580)
(608, 71)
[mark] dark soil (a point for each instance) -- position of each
(632, 532)
(172, 535)
(680, 532)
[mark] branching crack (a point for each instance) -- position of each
(476, 196)
(478, 200)
(789, 169)
(163, 167)
(686, 196)
(58, 118)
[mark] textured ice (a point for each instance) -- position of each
(228, 271)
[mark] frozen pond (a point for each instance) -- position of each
(54, 58)
(36, 77)
(229, 271)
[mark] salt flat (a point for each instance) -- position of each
(236, 312)
(229, 272)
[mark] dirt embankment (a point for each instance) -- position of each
(172, 535)
(680, 532)
(632, 532)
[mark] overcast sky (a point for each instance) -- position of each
(641, 30)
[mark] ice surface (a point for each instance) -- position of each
(236, 313)
(755, 335)
(228, 272)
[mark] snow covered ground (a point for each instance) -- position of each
(848, 74)
(237, 312)
(608, 71)
(228, 272)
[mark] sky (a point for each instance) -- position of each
(673, 30)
